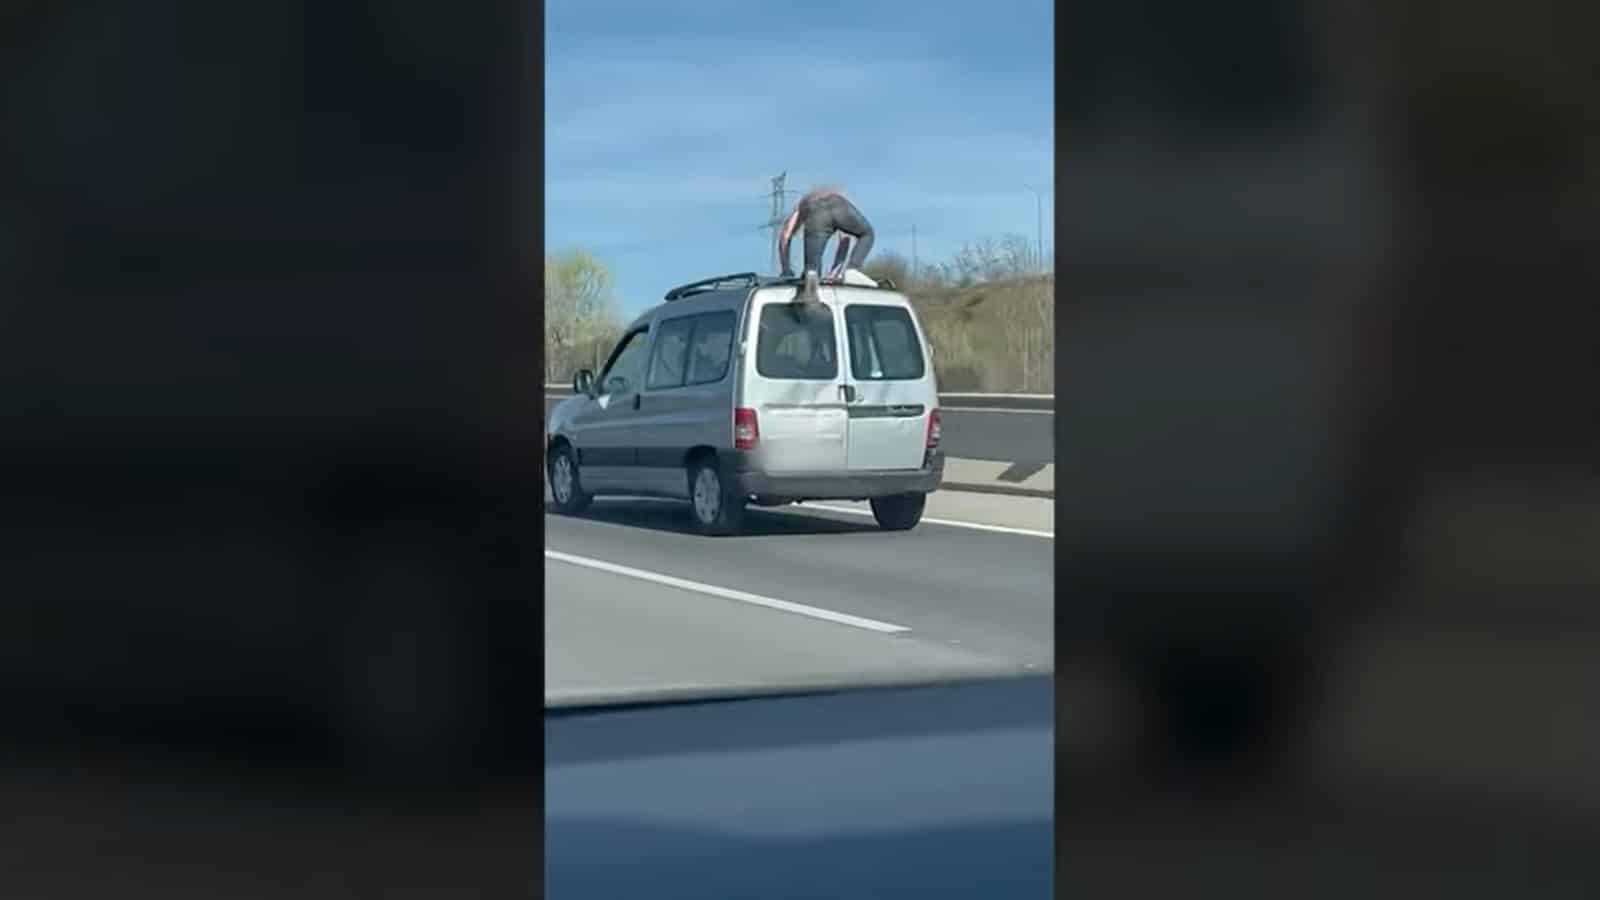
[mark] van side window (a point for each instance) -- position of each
(799, 347)
(670, 353)
(625, 369)
(883, 344)
(710, 347)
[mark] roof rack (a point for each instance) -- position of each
(748, 280)
(740, 279)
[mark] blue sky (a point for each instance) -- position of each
(664, 122)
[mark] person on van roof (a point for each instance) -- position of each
(821, 212)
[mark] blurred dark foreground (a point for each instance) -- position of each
(268, 352)
(269, 469)
(1329, 535)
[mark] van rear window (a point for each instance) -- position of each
(796, 345)
(883, 344)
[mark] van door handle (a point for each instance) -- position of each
(636, 400)
(848, 392)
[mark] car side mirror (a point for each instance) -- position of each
(583, 382)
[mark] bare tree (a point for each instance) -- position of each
(1017, 256)
(991, 265)
(972, 262)
(579, 311)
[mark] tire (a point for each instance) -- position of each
(566, 487)
(714, 506)
(900, 512)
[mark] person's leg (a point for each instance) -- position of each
(785, 239)
(822, 217)
(863, 247)
(817, 216)
(849, 220)
(840, 254)
(816, 243)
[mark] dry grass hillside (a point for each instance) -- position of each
(992, 328)
(996, 336)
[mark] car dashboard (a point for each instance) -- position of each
(932, 791)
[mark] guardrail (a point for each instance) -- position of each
(953, 399)
(1005, 402)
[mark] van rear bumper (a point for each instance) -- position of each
(835, 485)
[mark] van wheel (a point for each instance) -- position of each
(716, 509)
(900, 512)
(565, 486)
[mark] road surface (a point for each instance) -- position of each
(635, 600)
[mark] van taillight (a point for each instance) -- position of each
(745, 430)
(933, 429)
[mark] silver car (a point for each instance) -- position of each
(729, 394)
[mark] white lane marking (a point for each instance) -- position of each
(979, 526)
(1005, 396)
(827, 615)
(991, 409)
(954, 523)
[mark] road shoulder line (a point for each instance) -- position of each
(826, 615)
(955, 523)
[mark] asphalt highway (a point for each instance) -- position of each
(636, 602)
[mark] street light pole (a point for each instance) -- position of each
(1038, 210)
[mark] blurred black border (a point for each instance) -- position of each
(1238, 535)
(1326, 457)
(270, 321)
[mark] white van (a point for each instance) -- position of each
(729, 394)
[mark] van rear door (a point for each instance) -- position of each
(889, 385)
(795, 383)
